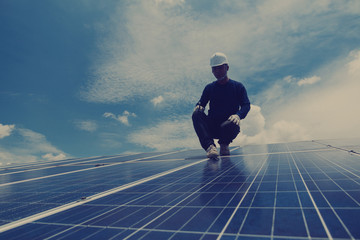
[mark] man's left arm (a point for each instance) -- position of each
(244, 103)
(245, 108)
(241, 114)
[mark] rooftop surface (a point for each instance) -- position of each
(299, 190)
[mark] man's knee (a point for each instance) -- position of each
(197, 115)
(229, 133)
(230, 128)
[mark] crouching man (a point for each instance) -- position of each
(229, 104)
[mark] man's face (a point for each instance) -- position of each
(220, 71)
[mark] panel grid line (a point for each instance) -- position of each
(347, 170)
(114, 209)
(82, 170)
(94, 197)
(142, 196)
(227, 205)
(144, 226)
(167, 231)
(331, 207)
(311, 197)
(342, 189)
(253, 198)
(241, 200)
(276, 191)
(299, 190)
(60, 164)
(300, 203)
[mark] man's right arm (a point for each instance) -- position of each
(205, 97)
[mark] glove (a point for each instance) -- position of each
(235, 119)
(199, 108)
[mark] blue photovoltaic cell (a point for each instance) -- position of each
(299, 190)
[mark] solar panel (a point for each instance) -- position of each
(299, 190)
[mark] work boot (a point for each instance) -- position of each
(224, 150)
(211, 152)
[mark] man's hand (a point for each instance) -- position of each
(235, 119)
(199, 108)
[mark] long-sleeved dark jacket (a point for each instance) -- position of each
(225, 100)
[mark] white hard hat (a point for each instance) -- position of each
(218, 59)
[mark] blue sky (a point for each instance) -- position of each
(87, 78)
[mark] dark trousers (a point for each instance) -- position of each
(208, 130)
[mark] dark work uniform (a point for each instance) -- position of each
(225, 100)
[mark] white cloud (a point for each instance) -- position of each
(52, 157)
(308, 81)
(165, 47)
(328, 110)
(167, 135)
(254, 123)
(157, 100)
(170, 2)
(124, 118)
(5, 130)
(111, 140)
(304, 81)
(86, 125)
(284, 131)
(281, 131)
(8, 157)
(289, 79)
(254, 130)
(25, 145)
(179, 133)
(109, 115)
(36, 142)
(354, 65)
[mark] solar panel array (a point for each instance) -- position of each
(300, 190)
